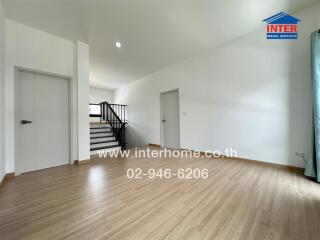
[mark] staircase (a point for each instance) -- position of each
(109, 133)
(102, 138)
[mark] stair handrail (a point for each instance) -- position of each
(119, 132)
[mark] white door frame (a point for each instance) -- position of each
(161, 116)
(70, 103)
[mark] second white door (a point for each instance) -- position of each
(170, 119)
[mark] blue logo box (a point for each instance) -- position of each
(282, 36)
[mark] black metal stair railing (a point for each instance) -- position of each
(115, 115)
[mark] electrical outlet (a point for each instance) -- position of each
(300, 154)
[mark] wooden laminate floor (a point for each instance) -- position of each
(239, 200)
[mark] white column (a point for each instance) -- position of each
(82, 61)
(2, 157)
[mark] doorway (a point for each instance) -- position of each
(170, 119)
(42, 136)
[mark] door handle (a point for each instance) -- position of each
(163, 120)
(25, 122)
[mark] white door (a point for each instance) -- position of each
(170, 119)
(41, 121)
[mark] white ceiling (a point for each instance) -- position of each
(154, 33)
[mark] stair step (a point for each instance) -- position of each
(99, 142)
(99, 131)
(102, 134)
(105, 147)
(102, 125)
(99, 127)
(104, 144)
(96, 152)
(102, 138)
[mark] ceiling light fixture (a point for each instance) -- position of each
(118, 44)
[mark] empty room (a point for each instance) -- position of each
(159, 119)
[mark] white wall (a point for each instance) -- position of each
(2, 32)
(36, 50)
(251, 94)
(98, 95)
(83, 101)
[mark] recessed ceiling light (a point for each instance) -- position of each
(118, 44)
